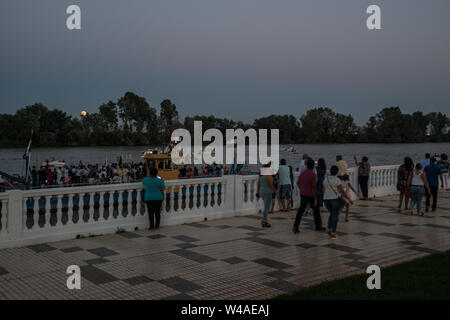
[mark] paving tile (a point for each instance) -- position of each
(130, 235)
(137, 280)
(341, 248)
(353, 256)
(185, 245)
(181, 296)
(251, 228)
(102, 252)
(357, 264)
(255, 234)
(38, 248)
(71, 249)
(156, 236)
(283, 285)
(279, 274)
(96, 261)
(421, 249)
(234, 260)
(224, 227)
(185, 238)
(272, 263)
(363, 234)
(411, 243)
(198, 225)
(267, 242)
(397, 236)
(96, 275)
(306, 245)
(3, 271)
(180, 284)
(381, 223)
(438, 226)
(194, 256)
(253, 217)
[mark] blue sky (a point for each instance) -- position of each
(241, 59)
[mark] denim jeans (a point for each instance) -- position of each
(304, 200)
(363, 184)
(434, 194)
(417, 193)
(267, 198)
(333, 207)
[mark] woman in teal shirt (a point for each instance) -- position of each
(154, 195)
(265, 189)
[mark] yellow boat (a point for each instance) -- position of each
(167, 170)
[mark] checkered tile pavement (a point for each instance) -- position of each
(224, 259)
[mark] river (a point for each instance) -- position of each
(379, 154)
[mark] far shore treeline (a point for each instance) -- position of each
(131, 121)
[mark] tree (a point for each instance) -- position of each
(289, 126)
(169, 119)
(108, 111)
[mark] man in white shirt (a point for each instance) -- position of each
(302, 166)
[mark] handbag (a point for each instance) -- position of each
(342, 201)
(157, 186)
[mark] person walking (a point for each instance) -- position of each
(445, 166)
(154, 195)
(418, 183)
(307, 183)
(285, 190)
(425, 162)
(265, 189)
(342, 166)
(332, 195)
(348, 198)
(363, 176)
(321, 170)
(433, 172)
(404, 171)
(291, 199)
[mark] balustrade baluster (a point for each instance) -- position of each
(171, 199)
(180, 198)
(101, 207)
(4, 212)
(129, 203)
(48, 207)
(59, 208)
(120, 205)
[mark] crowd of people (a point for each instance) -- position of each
(87, 174)
(331, 188)
(81, 175)
(416, 180)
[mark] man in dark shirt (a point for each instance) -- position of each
(307, 183)
(433, 172)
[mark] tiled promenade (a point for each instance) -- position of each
(224, 259)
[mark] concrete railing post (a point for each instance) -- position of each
(15, 214)
(230, 199)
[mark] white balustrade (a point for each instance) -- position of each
(4, 215)
(26, 215)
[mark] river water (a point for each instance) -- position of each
(379, 154)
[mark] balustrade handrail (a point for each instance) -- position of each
(212, 197)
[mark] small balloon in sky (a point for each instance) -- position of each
(83, 113)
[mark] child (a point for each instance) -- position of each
(347, 197)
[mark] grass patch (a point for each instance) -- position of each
(424, 278)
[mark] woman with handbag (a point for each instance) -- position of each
(333, 196)
(403, 174)
(154, 195)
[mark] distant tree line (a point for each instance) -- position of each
(131, 121)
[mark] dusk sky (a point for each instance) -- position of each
(240, 59)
